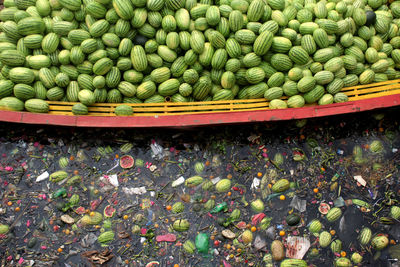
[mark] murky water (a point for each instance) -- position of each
(239, 153)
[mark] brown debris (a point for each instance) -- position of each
(97, 258)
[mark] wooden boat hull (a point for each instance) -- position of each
(362, 98)
(202, 119)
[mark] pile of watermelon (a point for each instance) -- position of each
(135, 51)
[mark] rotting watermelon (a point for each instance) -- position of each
(109, 211)
(126, 162)
(81, 210)
(153, 264)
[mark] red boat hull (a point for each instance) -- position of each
(186, 120)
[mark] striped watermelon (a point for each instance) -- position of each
(367, 76)
(123, 8)
(335, 86)
(80, 109)
(24, 91)
(99, 28)
(299, 55)
(30, 25)
(86, 97)
(281, 62)
(169, 87)
(37, 106)
(72, 92)
(228, 80)
(113, 77)
(273, 93)
(314, 95)
(11, 103)
(256, 91)
(321, 38)
(202, 88)
(96, 9)
(102, 66)
(21, 75)
(306, 84)
(127, 89)
(114, 96)
(308, 44)
(73, 5)
(12, 58)
(255, 75)
(296, 101)
(146, 90)
(55, 93)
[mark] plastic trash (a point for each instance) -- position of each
(116, 165)
(178, 181)
(298, 204)
(88, 240)
(62, 192)
(220, 207)
(297, 247)
(255, 184)
(42, 177)
(134, 190)
(360, 180)
(215, 180)
(259, 243)
(339, 202)
(149, 217)
(270, 232)
(157, 150)
(202, 242)
(166, 238)
(114, 180)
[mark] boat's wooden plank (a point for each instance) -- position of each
(62, 103)
(61, 113)
(184, 103)
(96, 111)
(65, 108)
(153, 114)
(372, 90)
(372, 85)
(354, 93)
(238, 117)
(372, 95)
(376, 95)
(205, 107)
(177, 109)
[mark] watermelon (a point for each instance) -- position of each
(334, 214)
(11, 103)
(379, 242)
(315, 226)
(86, 97)
(79, 109)
(293, 219)
(121, 110)
(109, 211)
(37, 106)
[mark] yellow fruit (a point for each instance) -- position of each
(247, 236)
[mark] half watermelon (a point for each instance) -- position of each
(109, 211)
(126, 162)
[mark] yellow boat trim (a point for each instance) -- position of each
(354, 93)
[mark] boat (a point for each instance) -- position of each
(361, 98)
